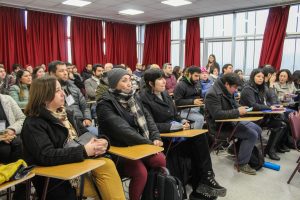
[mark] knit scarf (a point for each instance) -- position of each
(61, 115)
(128, 101)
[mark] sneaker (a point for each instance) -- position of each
(211, 187)
(246, 169)
(198, 196)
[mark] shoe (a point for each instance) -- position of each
(280, 150)
(198, 196)
(273, 156)
(246, 169)
(285, 148)
(210, 186)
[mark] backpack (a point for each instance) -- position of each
(162, 186)
(257, 159)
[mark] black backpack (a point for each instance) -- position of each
(162, 186)
(257, 159)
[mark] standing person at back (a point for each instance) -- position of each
(75, 101)
(170, 78)
(188, 92)
(212, 63)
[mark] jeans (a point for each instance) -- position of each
(195, 116)
(247, 132)
(93, 130)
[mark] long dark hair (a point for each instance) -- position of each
(290, 78)
(19, 75)
(41, 90)
(260, 88)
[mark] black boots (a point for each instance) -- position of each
(198, 196)
(210, 187)
(272, 143)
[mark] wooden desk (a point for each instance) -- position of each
(265, 113)
(91, 102)
(185, 133)
(9, 184)
(189, 106)
(67, 172)
(135, 152)
(241, 119)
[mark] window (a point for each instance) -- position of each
(140, 35)
(69, 39)
(178, 31)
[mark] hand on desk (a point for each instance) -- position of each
(186, 125)
(198, 102)
(96, 147)
(8, 136)
(87, 122)
(158, 143)
(242, 110)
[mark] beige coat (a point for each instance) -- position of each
(13, 113)
(281, 90)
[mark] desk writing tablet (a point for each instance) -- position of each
(241, 119)
(185, 133)
(265, 112)
(135, 152)
(9, 184)
(189, 106)
(69, 171)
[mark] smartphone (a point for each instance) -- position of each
(249, 109)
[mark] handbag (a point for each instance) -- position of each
(81, 140)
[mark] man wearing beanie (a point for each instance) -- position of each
(122, 117)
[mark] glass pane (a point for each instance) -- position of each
(183, 57)
(251, 23)
(137, 33)
(143, 33)
(228, 23)
(239, 54)
(175, 53)
(226, 53)
(288, 54)
(68, 26)
(217, 50)
(69, 51)
(201, 27)
(297, 56)
(240, 23)
(292, 22)
(209, 49)
(257, 51)
(208, 27)
(203, 62)
(261, 20)
(175, 25)
(249, 57)
(183, 29)
(218, 26)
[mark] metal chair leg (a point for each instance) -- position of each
(294, 172)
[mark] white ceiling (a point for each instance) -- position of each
(154, 10)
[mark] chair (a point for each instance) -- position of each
(294, 119)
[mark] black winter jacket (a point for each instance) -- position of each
(251, 97)
(185, 92)
(219, 104)
(163, 111)
(115, 122)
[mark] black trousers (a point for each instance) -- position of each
(195, 151)
(10, 152)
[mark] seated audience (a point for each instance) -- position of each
(20, 91)
(75, 101)
(102, 87)
(255, 95)
(108, 67)
(92, 83)
(135, 80)
(285, 87)
(296, 78)
(15, 67)
(139, 70)
(87, 72)
(226, 69)
(214, 74)
(38, 72)
(206, 83)
(122, 117)
(188, 92)
(212, 63)
(170, 78)
(161, 106)
(220, 104)
(177, 72)
(241, 75)
(29, 68)
(6, 81)
(75, 79)
(46, 130)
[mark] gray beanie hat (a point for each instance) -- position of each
(114, 76)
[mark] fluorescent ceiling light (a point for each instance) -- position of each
(176, 2)
(78, 3)
(130, 12)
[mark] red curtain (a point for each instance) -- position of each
(192, 42)
(87, 41)
(121, 43)
(272, 47)
(12, 37)
(46, 37)
(157, 43)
